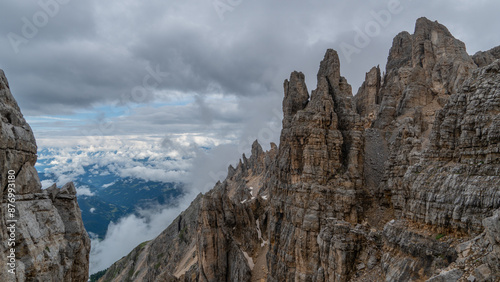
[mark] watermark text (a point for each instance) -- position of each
(11, 221)
(31, 26)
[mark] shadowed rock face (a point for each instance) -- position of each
(423, 71)
(51, 242)
(368, 98)
(485, 58)
(398, 183)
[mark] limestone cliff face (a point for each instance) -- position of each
(51, 243)
(398, 183)
(456, 182)
(422, 71)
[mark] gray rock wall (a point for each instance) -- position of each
(51, 243)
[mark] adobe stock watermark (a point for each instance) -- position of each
(11, 221)
(31, 26)
(223, 6)
(137, 94)
(372, 28)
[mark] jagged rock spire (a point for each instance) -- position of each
(296, 96)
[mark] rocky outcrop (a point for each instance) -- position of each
(487, 57)
(398, 183)
(368, 99)
(422, 70)
(51, 243)
(478, 258)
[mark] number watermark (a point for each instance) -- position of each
(11, 221)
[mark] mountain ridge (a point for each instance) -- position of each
(397, 183)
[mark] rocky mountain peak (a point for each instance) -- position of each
(422, 70)
(427, 29)
(329, 68)
(400, 52)
(257, 151)
(330, 81)
(487, 57)
(430, 42)
(296, 96)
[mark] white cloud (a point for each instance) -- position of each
(151, 174)
(123, 158)
(123, 236)
(47, 183)
(107, 185)
(202, 171)
(83, 191)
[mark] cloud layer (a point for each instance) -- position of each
(203, 169)
(96, 56)
(196, 162)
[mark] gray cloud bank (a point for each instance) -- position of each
(92, 52)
